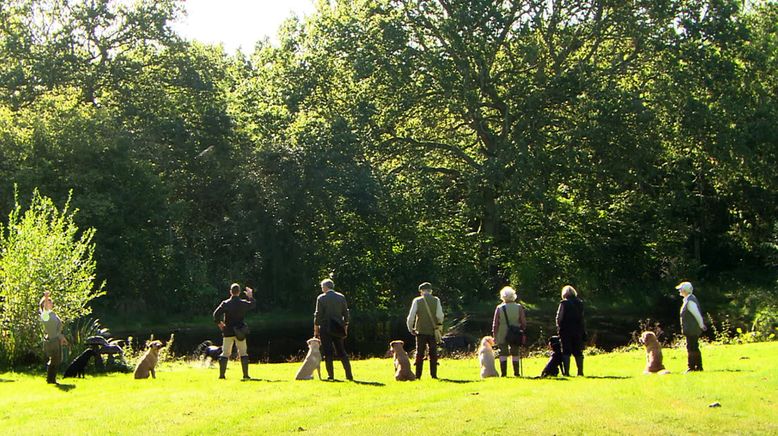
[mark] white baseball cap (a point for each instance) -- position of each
(686, 287)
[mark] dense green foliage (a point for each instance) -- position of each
(42, 250)
(614, 399)
(619, 146)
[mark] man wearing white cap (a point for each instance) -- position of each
(692, 325)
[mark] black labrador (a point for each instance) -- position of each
(77, 368)
(555, 361)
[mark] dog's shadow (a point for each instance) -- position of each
(64, 387)
(538, 377)
(451, 380)
(368, 383)
(2, 380)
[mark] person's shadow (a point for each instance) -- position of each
(64, 387)
(262, 380)
(2, 380)
(610, 377)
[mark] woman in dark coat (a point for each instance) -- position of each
(571, 329)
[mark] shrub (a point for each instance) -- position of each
(41, 249)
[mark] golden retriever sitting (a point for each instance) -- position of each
(653, 354)
(148, 362)
(402, 364)
(312, 361)
(486, 357)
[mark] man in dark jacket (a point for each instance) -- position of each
(330, 324)
(229, 317)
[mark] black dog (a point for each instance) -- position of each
(207, 349)
(555, 361)
(77, 368)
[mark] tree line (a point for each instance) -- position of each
(619, 146)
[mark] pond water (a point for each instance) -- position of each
(285, 341)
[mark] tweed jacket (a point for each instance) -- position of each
(330, 305)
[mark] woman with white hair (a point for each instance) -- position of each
(571, 329)
(509, 313)
(692, 325)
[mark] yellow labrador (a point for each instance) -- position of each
(486, 357)
(312, 361)
(148, 362)
(402, 364)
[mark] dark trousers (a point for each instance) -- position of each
(693, 354)
(328, 343)
(53, 351)
(572, 345)
(424, 342)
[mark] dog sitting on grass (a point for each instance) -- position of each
(486, 357)
(148, 363)
(402, 364)
(653, 354)
(555, 361)
(312, 361)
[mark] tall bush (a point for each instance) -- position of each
(42, 249)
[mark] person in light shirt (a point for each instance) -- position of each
(54, 340)
(692, 325)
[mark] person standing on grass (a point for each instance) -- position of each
(54, 340)
(692, 325)
(571, 329)
(508, 313)
(229, 316)
(425, 321)
(330, 325)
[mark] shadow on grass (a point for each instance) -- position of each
(449, 380)
(728, 370)
(368, 383)
(537, 377)
(2, 380)
(64, 387)
(607, 377)
(263, 380)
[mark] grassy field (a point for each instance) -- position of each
(614, 398)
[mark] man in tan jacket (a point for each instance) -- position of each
(424, 319)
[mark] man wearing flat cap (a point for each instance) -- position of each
(425, 321)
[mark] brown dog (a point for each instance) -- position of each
(402, 364)
(653, 354)
(148, 362)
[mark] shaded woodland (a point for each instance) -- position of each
(617, 146)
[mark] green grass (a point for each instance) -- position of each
(615, 398)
